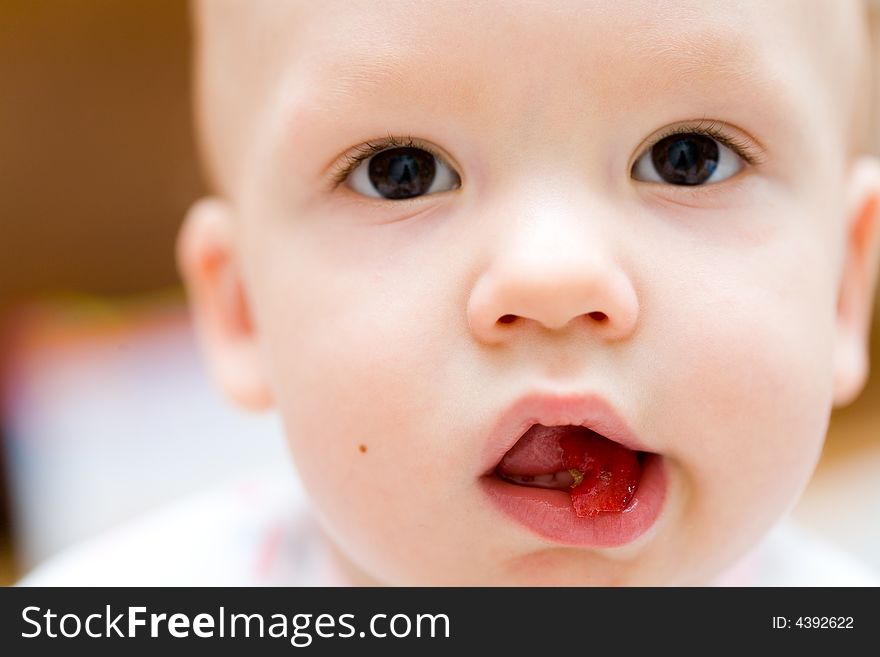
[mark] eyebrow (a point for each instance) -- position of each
(714, 53)
(721, 59)
(710, 59)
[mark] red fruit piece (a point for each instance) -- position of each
(610, 472)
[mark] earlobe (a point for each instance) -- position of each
(207, 261)
(858, 282)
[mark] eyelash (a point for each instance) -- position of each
(370, 148)
(747, 150)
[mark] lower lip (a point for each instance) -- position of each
(549, 513)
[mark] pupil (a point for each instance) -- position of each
(685, 159)
(402, 172)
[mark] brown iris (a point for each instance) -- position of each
(402, 172)
(685, 159)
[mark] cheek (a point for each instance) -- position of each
(743, 384)
(362, 376)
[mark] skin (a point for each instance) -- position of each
(736, 312)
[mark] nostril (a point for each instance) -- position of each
(507, 319)
(598, 316)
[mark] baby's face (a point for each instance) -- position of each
(635, 209)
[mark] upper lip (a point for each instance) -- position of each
(554, 409)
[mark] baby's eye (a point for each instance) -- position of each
(401, 173)
(687, 159)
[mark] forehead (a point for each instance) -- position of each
(484, 59)
(353, 37)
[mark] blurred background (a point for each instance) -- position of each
(105, 411)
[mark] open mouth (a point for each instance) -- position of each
(600, 475)
(568, 468)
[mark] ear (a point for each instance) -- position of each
(857, 287)
(207, 262)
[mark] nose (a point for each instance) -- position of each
(552, 273)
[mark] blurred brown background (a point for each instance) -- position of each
(97, 159)
(97, 162)
(98, 165)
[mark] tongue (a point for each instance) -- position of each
(603, 475)
(537, 452)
